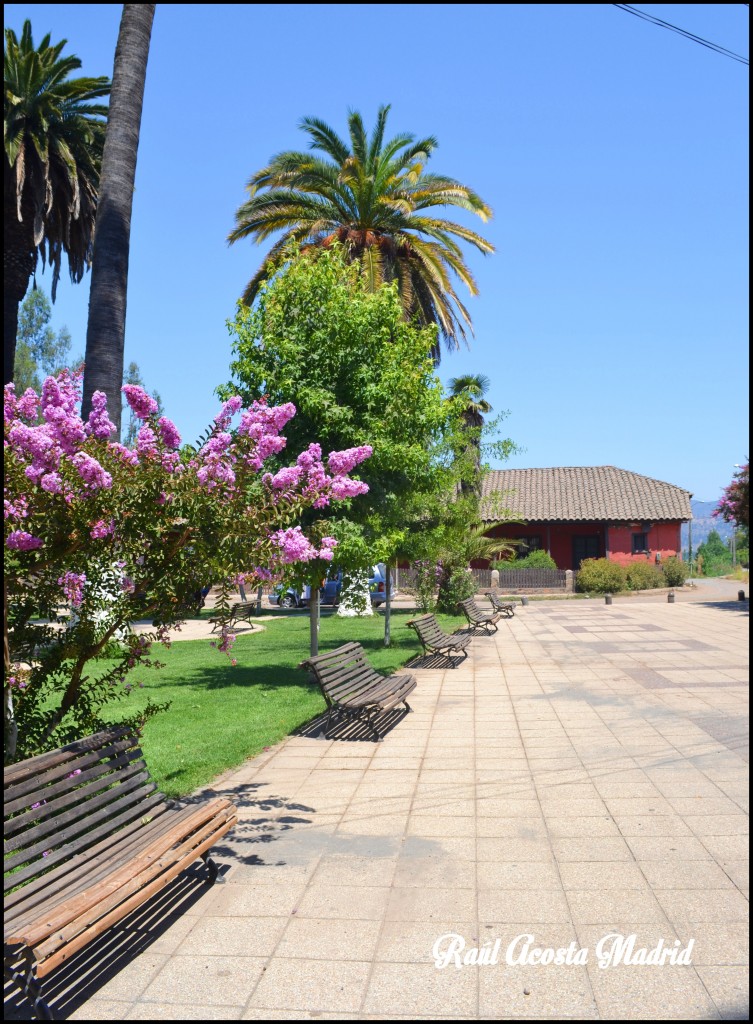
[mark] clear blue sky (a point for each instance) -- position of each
(612, 320)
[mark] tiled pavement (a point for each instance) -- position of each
(583, 773)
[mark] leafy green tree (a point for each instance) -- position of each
(40, 352)
(54, 134)
(370, 195)
(358, 374)
(105, 332)
(714, 557)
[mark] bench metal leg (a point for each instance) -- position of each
(370, 723)
(213, 870)
(19, 966)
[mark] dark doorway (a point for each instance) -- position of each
(585, 547)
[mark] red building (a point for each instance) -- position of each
(577, 512)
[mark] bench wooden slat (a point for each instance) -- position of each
(27, 784)
(132, 812)
(125, 908)
(378, 694)
(32, 767)
(435, 640)
(200, 821)
(90, 838)
(351, 686)
(119, 799)
(58, 794)
(134, 780)
(82, 869)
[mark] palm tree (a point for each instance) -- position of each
(105, 332)
(469, 391)
(471, 388)
(54, 134)
(369, 195)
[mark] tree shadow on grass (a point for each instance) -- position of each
(266, 676)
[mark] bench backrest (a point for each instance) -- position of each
(62, 802)
(343, 672)
(472, 608)
(428, 628)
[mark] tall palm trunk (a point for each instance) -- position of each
(105, 334)
(19, 257)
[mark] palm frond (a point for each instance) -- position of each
(370, 194)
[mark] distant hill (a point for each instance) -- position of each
(704, 523)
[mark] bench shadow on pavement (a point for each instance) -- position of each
(99, 962)
(354, 730)
(264, 818)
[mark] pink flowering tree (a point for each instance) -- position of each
(734, 506)
(147, 526)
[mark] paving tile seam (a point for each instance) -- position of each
(548, 832)
(669, 926)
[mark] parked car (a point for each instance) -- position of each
(329, 594)
(289, 597)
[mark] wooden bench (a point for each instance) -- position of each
(506, 608)
(88, 839)
(435, 641)
(239, 612)
(476, 617)
(353, 690)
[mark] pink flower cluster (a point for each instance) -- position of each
(100, 425)
(63, 458)
(311, 478)
(46, 448)
(142, 404)
(102, 529)
(73, 587)
(341, 463)
(20, 540)
(294, 546)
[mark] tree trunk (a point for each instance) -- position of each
(314, 621)
(387, 608)
(105, 334)
(19, 260)
(10, 724)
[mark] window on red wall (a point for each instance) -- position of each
(640, 543)
(527, 545)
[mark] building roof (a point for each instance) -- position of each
(582, 493)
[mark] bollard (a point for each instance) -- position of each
(524, 601)
(741, 595)
(607, 599)
(671, 597)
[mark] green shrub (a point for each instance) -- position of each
(600, 576)
(536, 560)
(675, 572)
(644, 576)
(456, 585)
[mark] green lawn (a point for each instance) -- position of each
(222, 714)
